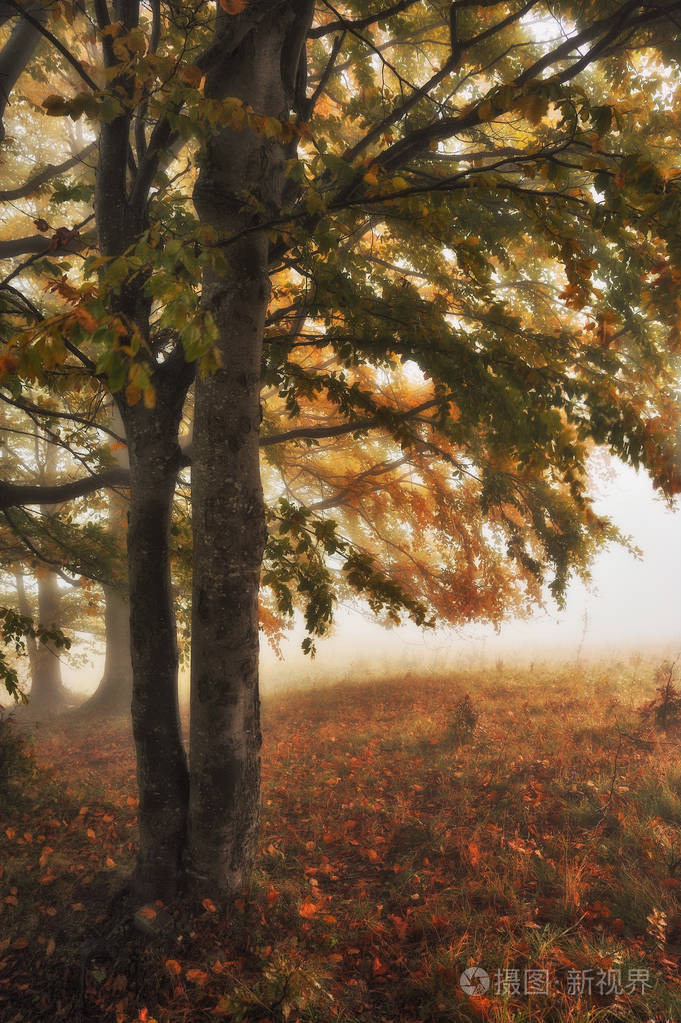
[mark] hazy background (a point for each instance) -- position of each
(631, 605)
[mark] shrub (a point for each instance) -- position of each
(665, 707)
(462, 722)
(16, 759)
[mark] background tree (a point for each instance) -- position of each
(465, 197)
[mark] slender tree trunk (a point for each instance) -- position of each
(47, 691)
(113, 695)
(24, 608)
(227, 502)
(161, 762)
(114, 692)
(154, 461)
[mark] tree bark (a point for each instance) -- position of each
(114, 692)
(17, 51)
(48, 694)
(161, 762)
(113, 695)
(227, 501)
(47, 690)
(24, 608)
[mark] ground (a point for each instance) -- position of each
(525, 823)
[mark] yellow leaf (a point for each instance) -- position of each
(271, 127)
(149, 397)
(132, 394)
(371, 176)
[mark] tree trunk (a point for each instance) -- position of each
(161, 762)
(47, 690)
(114, 692)
(17, 51)
(154, 461)
(24, 608)
(227, 501)
(47, 694)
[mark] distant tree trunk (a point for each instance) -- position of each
(24, 608)
(113, 695)
(48, 693)
(114, 692)
(227, 501)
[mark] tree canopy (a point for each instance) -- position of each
(416, 260)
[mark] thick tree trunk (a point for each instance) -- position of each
(161, 762)
(227, 502)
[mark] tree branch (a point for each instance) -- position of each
(66, 53)
(371, 19)
(51, 171)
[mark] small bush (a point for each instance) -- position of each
(16, 759)
(462, 722)
(664, 710)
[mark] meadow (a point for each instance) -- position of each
(524, 822)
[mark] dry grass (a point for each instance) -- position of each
(525, 822)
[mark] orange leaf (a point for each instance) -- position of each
(373, 856)
(197, 977)
(308, 909)
(271, 895)
(377, 967)
(173, 967)
(50, 947)
(233, 6)
(147, 912)
(474, 853)
(208, 904)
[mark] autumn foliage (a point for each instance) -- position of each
(412, 829)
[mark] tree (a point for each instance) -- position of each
(466, 196)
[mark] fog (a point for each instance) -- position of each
(630, 606)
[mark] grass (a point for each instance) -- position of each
(412, 828)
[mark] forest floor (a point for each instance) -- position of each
(526, 823)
